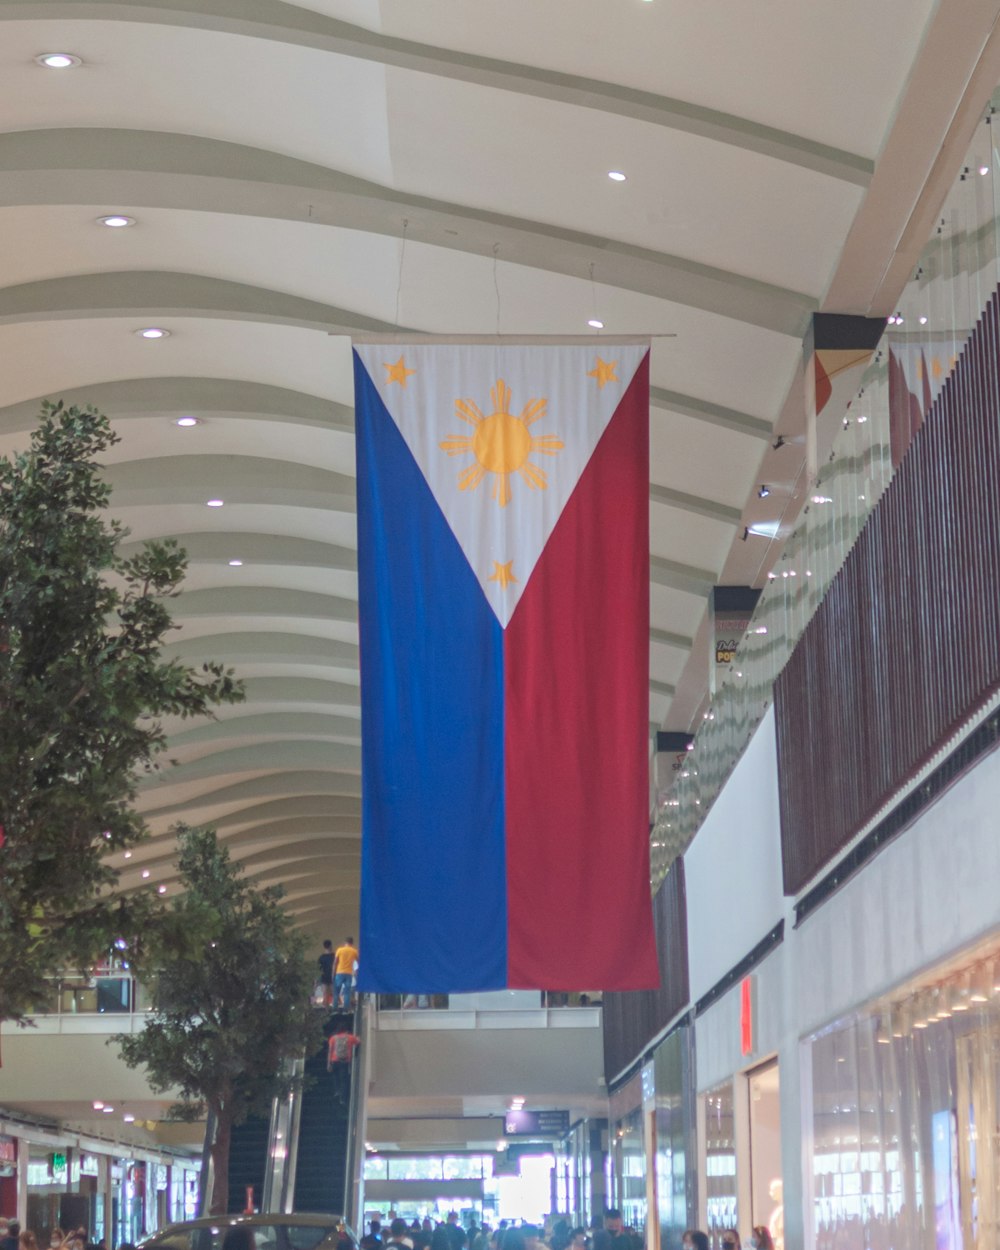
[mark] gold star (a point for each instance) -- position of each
(502, 573)
(397, 372)
(604, 372)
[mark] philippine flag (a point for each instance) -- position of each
(503, 557)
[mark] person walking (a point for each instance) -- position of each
(345, 958)
(340, 1052)
(325, 962)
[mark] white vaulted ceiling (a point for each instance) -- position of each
(277, 156)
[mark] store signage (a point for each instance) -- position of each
(746, 1014)
(89, 1165)
(58, 1162)
(536, 1123)
(8, 1150)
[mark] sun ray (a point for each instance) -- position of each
(500, 394)
(501, 489)
(534, 411)
(470, 478)
(547, 444)
(457, 445)
(469, 412)
(536, 478)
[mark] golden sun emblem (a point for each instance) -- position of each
(501, 443)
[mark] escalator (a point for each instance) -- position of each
(248, 1161)
(321, 1155)
(303, 1157)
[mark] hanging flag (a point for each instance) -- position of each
(503, 562)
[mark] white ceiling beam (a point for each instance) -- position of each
(291, 24)
(159, 169)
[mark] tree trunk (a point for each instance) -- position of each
(220, 1163)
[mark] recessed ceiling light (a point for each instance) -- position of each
(214, 503)
(185, 422)
(107, 1110)
(595, 324)
(153, 332)
(58, 60)
(821, 499)
(145, 873)
(764, 529)
(98, 1105)
(984, 170)
(922, 320)
(161, 889)
(127, 855)
(235, 564)
(116, 221)
(616, 175)
(128, 1118)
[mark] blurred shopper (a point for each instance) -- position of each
(325, 962)
(695, 1239)
(730, 1239)
(399, 1235)
(345, 958)
(340, 1052)
(13, 1233)
(760, 1238)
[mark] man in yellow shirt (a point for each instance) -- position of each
(344, 959)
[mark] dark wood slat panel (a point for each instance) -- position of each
(905, 647)
(633, 1018)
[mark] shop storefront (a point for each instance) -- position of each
(905, 1107)
(8, 1176)
(627, 1154)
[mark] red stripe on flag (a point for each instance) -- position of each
(576, 703)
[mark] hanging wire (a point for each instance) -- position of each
(399, 280)
(593, 298)
(496, 283)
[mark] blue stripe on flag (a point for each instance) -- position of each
(433, 866)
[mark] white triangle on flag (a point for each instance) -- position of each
(502, 434)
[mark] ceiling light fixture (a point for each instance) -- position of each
(235, 564)
(128, 1117)
(214, 503)
(107, 1110)
(153, 332)
(764, 529)
(984, 170)
(145, 873)
(116, 221)
(58, 60)
(98, 1105)
(763, 491)
(616, 175)
(161, 889)
(186, 422)
(127, 855)
(595, 324)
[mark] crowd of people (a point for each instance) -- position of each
(608, 1233)
(14, 1237)
(728, 1239)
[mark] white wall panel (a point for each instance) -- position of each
(732, 868)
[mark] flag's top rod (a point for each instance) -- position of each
(510, 340)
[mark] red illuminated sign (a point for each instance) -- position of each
(746, 1015)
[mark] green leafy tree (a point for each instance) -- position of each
(226, 1017)
(82, 690)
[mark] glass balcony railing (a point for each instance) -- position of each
(957, 275)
